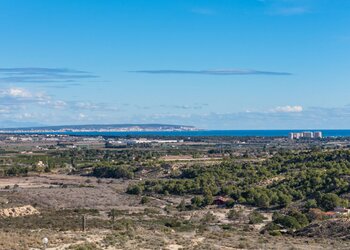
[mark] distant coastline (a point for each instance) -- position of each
(191, 133)
(102, 128)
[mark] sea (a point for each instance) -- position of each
(236, 133)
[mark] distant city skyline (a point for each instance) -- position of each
(242, 64)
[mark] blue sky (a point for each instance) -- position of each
(223, 64)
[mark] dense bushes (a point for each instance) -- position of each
(112, 172)
(199, 201)
(296, 177)
(292, 220)
(16, 171)
(330, 201)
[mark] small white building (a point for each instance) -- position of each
(342, 210)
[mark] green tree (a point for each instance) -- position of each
(288, 222)
(311, 203)
(284, 200)
(262, 201)
(329, 201)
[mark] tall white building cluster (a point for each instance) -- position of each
(307, 135)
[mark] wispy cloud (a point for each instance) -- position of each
(289, 7)
(214, 72)
(288, 109)
(43, 75)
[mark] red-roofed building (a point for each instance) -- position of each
(221, 201)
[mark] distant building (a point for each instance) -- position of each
(318, 135)
(294, 136)
(306, 134)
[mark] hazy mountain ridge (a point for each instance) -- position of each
(106, 127)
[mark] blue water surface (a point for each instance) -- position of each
(264, 133)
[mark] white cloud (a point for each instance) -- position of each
(18, 92)
(17, 95)
(288, 109)
(82, 116)
(15, 92)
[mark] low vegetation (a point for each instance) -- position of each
(211, 193)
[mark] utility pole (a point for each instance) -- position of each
(84, 223)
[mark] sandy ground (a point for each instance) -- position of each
(176, 241)
(65, 191)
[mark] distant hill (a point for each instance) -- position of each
(103, 127)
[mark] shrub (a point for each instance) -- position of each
(113, 172)
(230, 204)
(173, 223)
(134, 189)
(197, 201)
(234, 214)
(275, 233)
(288, 222)
(85, 246)
(145, 200)
(182, 205)
(256, 217)
(300, 217)
(208, 218)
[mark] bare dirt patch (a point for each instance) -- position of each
(18, 211)
(67, 192)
